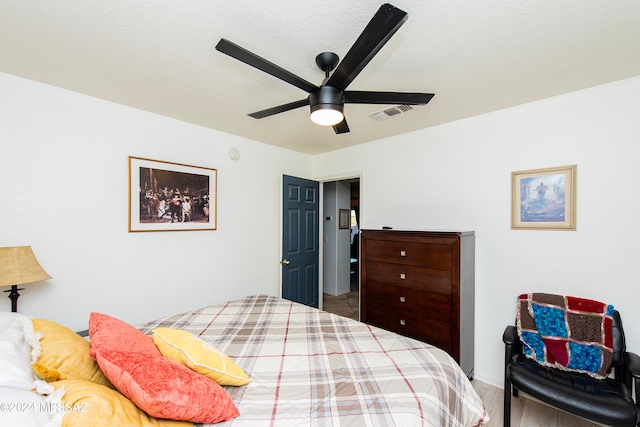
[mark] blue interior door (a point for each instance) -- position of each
(300, 233)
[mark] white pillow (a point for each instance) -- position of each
(23, 408)
(15, 352)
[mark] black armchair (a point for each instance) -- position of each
(607, 401)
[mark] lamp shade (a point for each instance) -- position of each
(18, 265)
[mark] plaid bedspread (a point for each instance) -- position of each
(312, 368)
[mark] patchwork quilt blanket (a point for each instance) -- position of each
(568, 333)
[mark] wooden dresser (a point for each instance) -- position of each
(421, 284)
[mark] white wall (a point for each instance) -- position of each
(457, 176)
(336, 245)
(330, 234)
(64, 174)
(343, 248)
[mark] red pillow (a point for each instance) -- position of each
(166, 389)
(109, 333)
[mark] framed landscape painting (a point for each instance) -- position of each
(544, 199)
(166, 196)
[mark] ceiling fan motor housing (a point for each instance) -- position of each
(326, 97)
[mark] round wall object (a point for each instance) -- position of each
(234, 154)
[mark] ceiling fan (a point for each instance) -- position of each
(327, 100)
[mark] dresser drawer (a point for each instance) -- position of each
(410, 253)
(420, 283)
(411, 277)
(432, 331)
(408, 300)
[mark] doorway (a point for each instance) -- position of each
(341, 248)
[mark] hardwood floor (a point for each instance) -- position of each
(346, 305)
(525, 411)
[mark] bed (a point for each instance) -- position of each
(269, 362)
(309, 367)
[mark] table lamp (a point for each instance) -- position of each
(18, 266)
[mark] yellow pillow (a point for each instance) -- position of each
(63, 355)
(198, 355)
(88, 404)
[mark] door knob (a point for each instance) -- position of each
(285, 262)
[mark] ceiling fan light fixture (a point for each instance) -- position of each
(326, 106)
(327, 115)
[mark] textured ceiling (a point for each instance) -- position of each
(159, 56)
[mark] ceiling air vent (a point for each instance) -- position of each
(389, 112)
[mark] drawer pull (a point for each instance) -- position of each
(402, 322)
(402, 299)
(403, 253)
(403, 276)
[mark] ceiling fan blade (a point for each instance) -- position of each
(341, 127)
(378, 31)
(279, 109)
(241, 54)
(405, 98)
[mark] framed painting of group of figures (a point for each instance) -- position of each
(166, 196)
